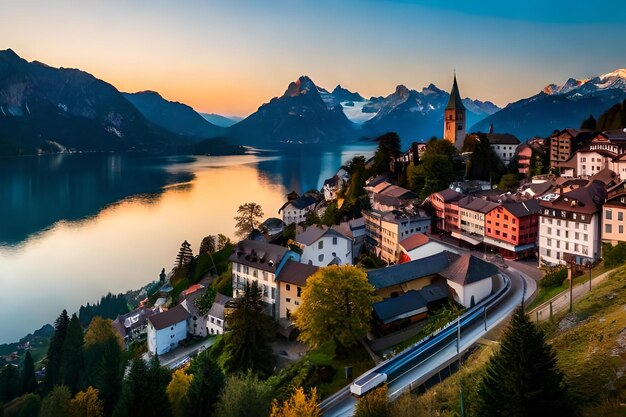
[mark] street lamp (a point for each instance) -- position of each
(589, 265)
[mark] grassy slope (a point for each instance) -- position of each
(588, 353)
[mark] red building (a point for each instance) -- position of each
(446, 206)
(512, 229)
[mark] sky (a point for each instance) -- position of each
(230, 56)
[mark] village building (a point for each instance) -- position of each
(512, 229)
(565, 142)
(272, 226)
(504, 145)
(470, 279)
(166, 330)
(331, 187)
(570, 225)
(420, 246)
(445, 204)
(454, 124)
(471, 227)
(260, 262)
(133, 326)
(196, 325)
(613, 215)
(216, 317)
(292, 280)
(323, 245)
(295, 211)
(524, 156)
(385, 230)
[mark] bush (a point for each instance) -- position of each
(614, 255)
(554, 279)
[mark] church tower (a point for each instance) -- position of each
(454, 118)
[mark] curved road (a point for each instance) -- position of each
(427, 363)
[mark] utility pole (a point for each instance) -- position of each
(589, 276)
(485, 311)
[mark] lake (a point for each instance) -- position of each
(75, 227)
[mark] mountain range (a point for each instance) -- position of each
(45, 109)
(558, 106)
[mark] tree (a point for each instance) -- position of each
(247, 218)
(484, 164)
(177, 392)
(29, 380)
(522, 379)
(205, 301)
(53, 367)
(31, 403)
(104, 363)
(56, 403)
(10, 384)
(374, 404)
(207, 245)
(185, 255)
(508, 181)
(298, 405)
(144, 392)
(222, 241)
(440, 147)
(87, 404)
(589, 123)
(245, 396)
(331, 215)
(205, 386)
(247, 345)
(388, 149)
(312, 219)
(337, 305)
(72, 361)
(614, 255)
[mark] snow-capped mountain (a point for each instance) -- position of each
(304, 114)
(558, 106)
(417, 115)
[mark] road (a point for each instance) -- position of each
(169, 359)
(560, 302)
(342, 403)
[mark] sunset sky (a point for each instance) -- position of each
(229, 57)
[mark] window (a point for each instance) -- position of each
(608, 214)
(620, 216)
(265, 289)
(238, 267)
(288, 300)
(621, 229)
(299, 291)
(288, 287)
(320, 258)
(320, 244)
(608, 228)
(334, 240)
(273, 293)
(549, 242)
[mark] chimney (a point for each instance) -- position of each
(491, 128)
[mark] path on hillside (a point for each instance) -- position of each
(561, 301)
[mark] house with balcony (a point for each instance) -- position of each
(570, 225)
(446, 207)
(256, 261)
(471, 227)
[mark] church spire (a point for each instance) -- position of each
(455, 102)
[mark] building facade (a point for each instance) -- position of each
(292, 281)
(446, 207)
(472, 217)
(613, 215)
(564, 143)
(166, 330)
(296, 210)
(570, 225)
(323, 245)
(524, 156)
(512, 229)
(454, 127)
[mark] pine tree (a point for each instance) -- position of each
(72, 361)
(53, 367)
(522, 378)
(185, 255)
(589, 123)
(144, 393)
(205, 388)
(247, 345)
(207, 245)
(56, 403)
(29, 380)
(10, 386)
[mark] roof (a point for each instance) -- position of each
(192, 289)
(300, 203)
(296, 273)
(523, 208)
(414, 241)
(399, 307)
(273, 223)
(477, 204)
(434, 292)
(501, 139)
(449, 195)
(357, 223)
(585, 200)
(169, 318)
(395, 191)
(132, 320)
(311, 234)
(455, 102)
(217, 309)
(262, 255)
(409, 271)
(378, 188)
(469, 269)
(606, 176)
(540, 188)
